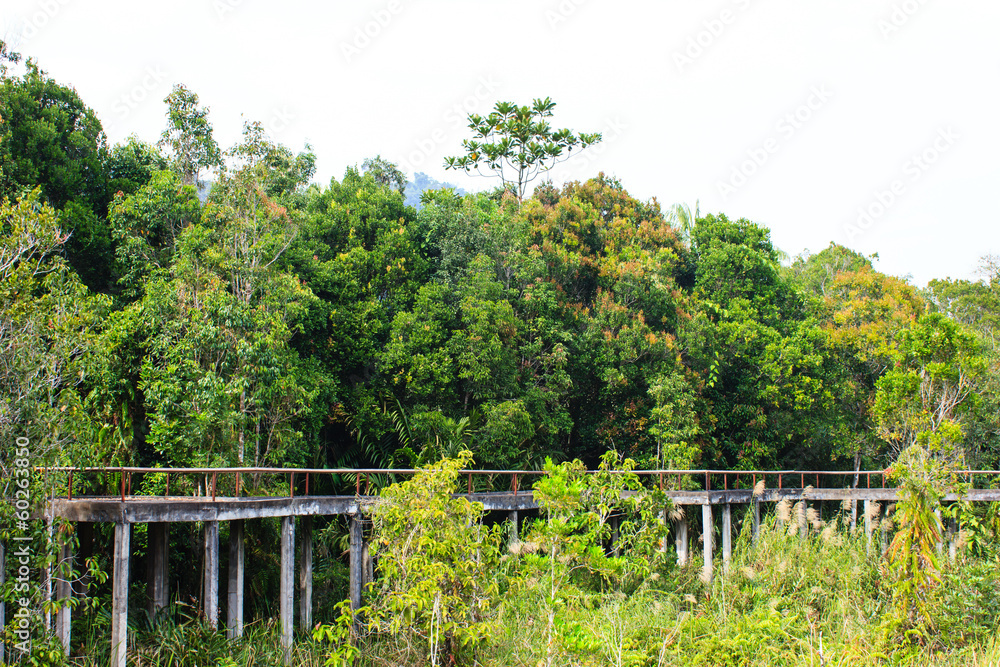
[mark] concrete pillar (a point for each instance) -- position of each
(367, 565)
(64, 594)
(727, 536)
(158, 567)
(615, 535)
(211, 580)
(803, 521)
(515, 535)
(119, 595)
(755, 519)
(234, 608)
(681, 527)
(868, 525)
(356, 570)
(706, 532)
(287, 585)
(883, 526)
(940, 544)
(306, 575)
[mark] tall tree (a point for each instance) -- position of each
(517, 144)
(50, 139)
(188, 135)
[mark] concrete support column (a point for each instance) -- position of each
(515, 535)
(211, 574)
(755, 519)
(615, 535)
(306, 575)
(801, 517)
(234, 608)
(883, 526)
(868, 525)
(952, 540)
(356, 569)
(940, 544)
(64, 594)
(157, 567)
(119, 595)
(727, 536)
(367, 564)
(681, 527)
(287, 585)
(706, 532)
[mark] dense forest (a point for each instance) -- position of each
(168, 302)
(282, 322)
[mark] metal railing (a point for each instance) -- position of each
(304, 480)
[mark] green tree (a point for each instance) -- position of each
(517, 144)
(131, 165)
(925, 396)
(188, 135)
(48, 326)
(436, 559)
(146, 224)
(50, 139)
(385, 173)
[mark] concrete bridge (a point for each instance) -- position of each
(712, 490)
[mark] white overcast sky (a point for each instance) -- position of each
(794, 114)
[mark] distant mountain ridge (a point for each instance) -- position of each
(422, 182)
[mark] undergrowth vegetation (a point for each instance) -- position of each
(567, 595)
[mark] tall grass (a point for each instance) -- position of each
(822, 599)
